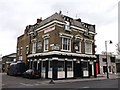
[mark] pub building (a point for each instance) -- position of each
(60, 47)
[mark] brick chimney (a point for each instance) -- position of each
(39, 20)
(78, 19)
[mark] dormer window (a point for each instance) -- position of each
(67, 25)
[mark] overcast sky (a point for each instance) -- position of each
(15, 15)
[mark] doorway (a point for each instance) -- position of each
(90, 69)
(77, 70)
(104, 69)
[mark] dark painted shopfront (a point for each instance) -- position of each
(63, 67)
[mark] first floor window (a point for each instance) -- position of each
(46, 44)
(27, 49)
(21, 51)
(18, 51)
(78, 46)
(66, 43)
(33, 47)
(39, 45)
(88, 47)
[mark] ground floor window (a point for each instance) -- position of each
(61, 66)
(20, 57)
(69, 66)
(85, 66)
(31, 62)
(50, 65)
(35, 65)
(43, 66)
(109, 68)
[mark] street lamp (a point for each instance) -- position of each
(110, 42)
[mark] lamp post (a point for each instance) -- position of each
(110, 42)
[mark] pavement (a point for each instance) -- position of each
(99, 77)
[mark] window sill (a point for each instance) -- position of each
(45, 50)
(78, 52)
(66, 50)
(87, 53)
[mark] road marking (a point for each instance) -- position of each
(85, 87)
(37, 84)
(26, 84)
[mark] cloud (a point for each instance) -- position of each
(17, 14)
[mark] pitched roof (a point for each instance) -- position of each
(60, 17)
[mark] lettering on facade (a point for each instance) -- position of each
(49, 29)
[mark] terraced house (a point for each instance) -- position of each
(59, 47)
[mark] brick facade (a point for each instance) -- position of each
(57, 36)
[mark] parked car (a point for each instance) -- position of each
(16, 69)
(31, 74)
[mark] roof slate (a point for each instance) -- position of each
(60, 17)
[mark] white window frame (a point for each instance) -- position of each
(27, 49)
(50, 68)
(67, 25)
(68, 48)
(39, 45)
(79, 51)
(70, 69)
(21, 50)
(33, 47)
(88, 50)
(45, 44)
(18, 51)
(20, 57)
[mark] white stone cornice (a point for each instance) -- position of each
(62, 53)
(88, 40)
(55, 58)
(52, 22)
(78, 36)
(78, 28)
(46, 36)
(35, 59)
(34, 40)
(92, 33)
(65, 35)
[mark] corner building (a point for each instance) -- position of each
(60, 47)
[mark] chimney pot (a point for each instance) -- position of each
(39, 20)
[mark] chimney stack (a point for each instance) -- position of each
(78, 19)
(39, 20)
